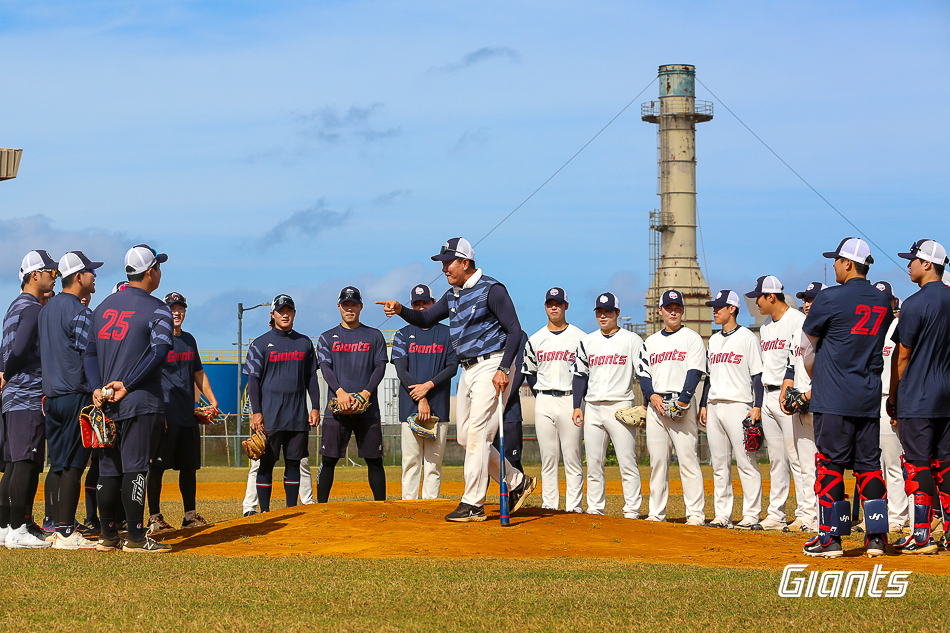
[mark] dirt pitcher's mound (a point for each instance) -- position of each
(395, 529)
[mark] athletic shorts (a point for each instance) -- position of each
(25, 436)
(514, 441)
(138, 439)
(336, 435)
(62, 431)
(292, 443)
(850, 440)
(179, 449)
(924, 439)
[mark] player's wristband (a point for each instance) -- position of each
(507, 370)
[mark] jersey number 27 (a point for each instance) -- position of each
(865, 313)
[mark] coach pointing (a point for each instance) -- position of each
(485, 332)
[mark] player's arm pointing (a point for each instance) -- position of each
(391, 307)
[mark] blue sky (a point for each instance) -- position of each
(302, 146)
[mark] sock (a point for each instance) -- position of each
(377, 478)
(155, 476)
(51, 494)
(5, 498)
(108, 500)
(265, 475)
(92, 480)
(188, 486)
(516, 464)
(65, 510)
(291, 481)
(21, 502)
(325, 478)
(133, 498)
(34, 484)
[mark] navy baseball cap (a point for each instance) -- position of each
(724, 298)
(174, 297)
(141, 257)
(607, 301)
(421, 292)
(351, 293)
(811, 291)
(74, 262)
(927, 250)
(36, 260)
(282, 300)
(886, 288)
(671, 296)
(555, 294)
(455, 248)
(766, 284)
(852, 248)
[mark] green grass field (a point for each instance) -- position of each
(88, 591)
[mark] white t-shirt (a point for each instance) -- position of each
(797, 363)
(670, 356)
(733, 360)
(611, 364)
(888, 353)
(777, 338)
(550, 356)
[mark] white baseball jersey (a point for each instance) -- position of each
(611, 364)
(671, 355)
(777, 338)
(889, 351)
(550, 357)
(733, 360)
(796, 362)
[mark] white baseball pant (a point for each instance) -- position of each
(803, 428)
(557, 434)
(777, 427)
(306, 485)
(663, 436)
(898, 505)
(476, 425)
(725, 434)
(422, 458)
(599, 426)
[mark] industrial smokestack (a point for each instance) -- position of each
(677, 113)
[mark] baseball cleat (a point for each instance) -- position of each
(696, 521)
(909, 545)
(875, 545)
(795, 526)
(89, 531)
(195, 521)
(40, 533)
(107, 544)
(517, 497)
(897, 528)
(655, 519)
(466, 513)
(157, 523)
(858, 527)
(22, 538)
(631, 515)
(3, 534)
(753, 526)
(772, 525)
(73, 542)
(721, 522)
(250, 513)
(814, 548)
(146, 546)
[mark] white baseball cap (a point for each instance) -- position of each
(75, 261)
(766, 284)
(854, 249)
(455, 248)
(142, 257)
(36, 260)
(927, 250)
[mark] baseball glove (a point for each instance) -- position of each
(206, 415)
(632, 416)
(254, 445)
(361, 404)
(672, 408)
(752, 434)
(795, 401)
(426, 430)
(96, 429)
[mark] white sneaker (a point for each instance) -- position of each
(772, 525)
(655, 519)
(721, 522)
(696, 521)
(73, 541)
(21, 538)
(576, 510)
(632, 515)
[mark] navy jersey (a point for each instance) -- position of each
(353, 360)
(21, 355)
(64, 334)
(178, 380)
(924, 327)
(284, 363)
(513, 406)
(128, 328)
(850, 322)
(428, 352)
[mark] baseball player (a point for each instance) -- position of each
(131, 337)
(23, 424)
(548, 358)
(425, 363)
(776, 339)
(919, 395)
(676, 359)
(732, 392)
(892, 453)
(180, 447)
(842, 340)
(512, 418)
(605, 365)
(353, 360)
(486, 334)
(803, 430)
(64, 325)
(281, 369)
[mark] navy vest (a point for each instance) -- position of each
(475, 330)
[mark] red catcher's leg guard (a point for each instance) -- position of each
(863, 479)
(941, 473)
(911, 485)
(826, 478)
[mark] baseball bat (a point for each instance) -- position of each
(503, 484)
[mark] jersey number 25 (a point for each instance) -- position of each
(116, 325)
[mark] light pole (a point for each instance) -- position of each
(240, 343)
